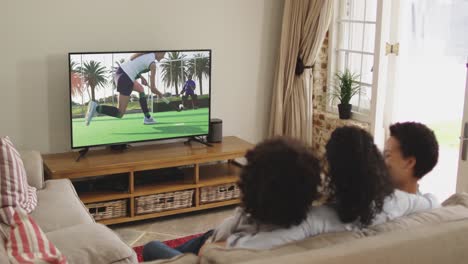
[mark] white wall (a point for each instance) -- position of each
(35, 37)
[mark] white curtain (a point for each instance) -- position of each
(305, 24)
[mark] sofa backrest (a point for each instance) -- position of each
(215, 254)
(444, 243)
(3, 253)
(32, 161)
(455, 209)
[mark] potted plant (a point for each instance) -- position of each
(344, 89)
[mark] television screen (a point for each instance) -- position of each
(124, 97)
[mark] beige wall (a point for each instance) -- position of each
(35, 37)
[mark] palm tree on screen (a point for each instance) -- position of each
(173, 70)
(94, 75)
(200, 67)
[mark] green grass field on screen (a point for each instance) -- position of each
(108, 130)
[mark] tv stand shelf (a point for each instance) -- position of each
(202, 166)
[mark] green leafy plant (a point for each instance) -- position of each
(346, 86)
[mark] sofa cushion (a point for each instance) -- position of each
(446, 243)
(27, 243)
(181, 259)
(92, 243)
(214, 254)
(59, 207)
(14, 188)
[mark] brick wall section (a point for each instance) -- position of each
(324, 123)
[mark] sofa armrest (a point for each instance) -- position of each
(91, 243)
(34, 168)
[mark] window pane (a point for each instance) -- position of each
(341, 59)
(366, 93)
(355, 102)
(347, 60)
(356, 9)
(371, 10)
(361, 103)
(369, 40)
(360, 37)
(367, 68)
(354, 63)
(352, 36)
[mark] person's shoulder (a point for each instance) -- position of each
(431, 197)
(396, 198)
(399, 196)
(322, 212)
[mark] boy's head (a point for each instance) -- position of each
(410, 152)
(279, 182)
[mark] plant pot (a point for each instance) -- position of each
(344, 111)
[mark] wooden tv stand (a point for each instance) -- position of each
(203, 166)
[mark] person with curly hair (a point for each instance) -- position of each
(360, 189)
(278, 185)
(410, 153)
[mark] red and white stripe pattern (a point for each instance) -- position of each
(27, 244)
(14, 188)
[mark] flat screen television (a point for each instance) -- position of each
(118, 98)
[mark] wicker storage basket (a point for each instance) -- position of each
(217, 193)
(107, 210)
(163, 202)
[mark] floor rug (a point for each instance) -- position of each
(172, 243)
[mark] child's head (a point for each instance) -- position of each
(410, 152)
(358, 178)
(159, 55)
(279, 182)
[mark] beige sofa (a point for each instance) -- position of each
(66, 221)
(436, 236)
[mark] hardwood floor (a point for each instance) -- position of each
(171, 227)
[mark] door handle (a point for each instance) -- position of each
(464, 140)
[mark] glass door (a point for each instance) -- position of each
(426, 80)
(462, 181)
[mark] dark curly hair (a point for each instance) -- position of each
(279, 182)
(418, 141)
(358, 178)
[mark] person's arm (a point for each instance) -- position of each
(403, 203)
(184, 89)
(227, 227)
(136, 55)
(319, 220)
(143, 80)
